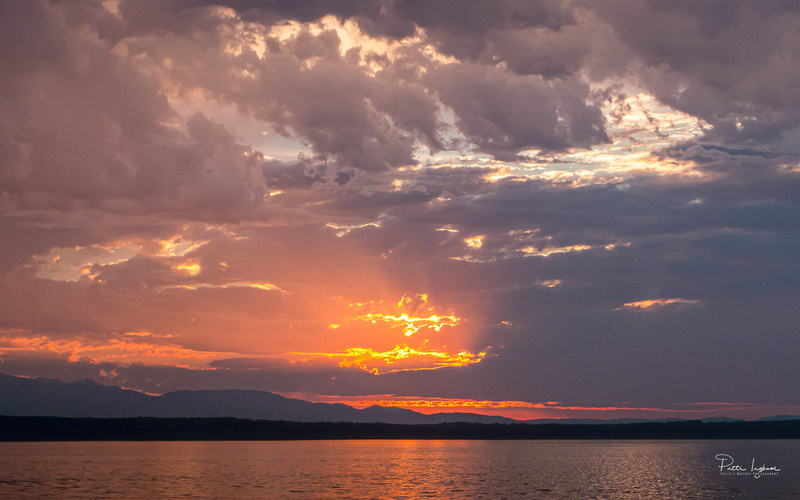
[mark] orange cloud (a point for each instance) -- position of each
(475, 241)
(410, 313)
(471, 404)
(177, 246)
(547, 251)
(401, 358)
(526, 409)
(657, 303)
(121, 348)
(189, 267)
(232, 284)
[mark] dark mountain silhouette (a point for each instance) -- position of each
(593, 421)
(721, 419)
(83, 398)
(225, 428)
(779, 417)
(86, 398)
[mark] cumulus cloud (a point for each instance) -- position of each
(306, 87)
(85, 128)
(727, 64)
(707, 61)
(463, 32)
(502, 113)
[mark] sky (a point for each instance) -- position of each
(529, 208)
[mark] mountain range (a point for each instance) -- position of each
(86, 398)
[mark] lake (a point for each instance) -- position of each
(401, 469)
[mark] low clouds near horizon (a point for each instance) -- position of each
(589, 204)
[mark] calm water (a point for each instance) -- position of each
(396, 469)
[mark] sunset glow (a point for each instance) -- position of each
(401, 358)
(523, 410)
(657, 303)
(125, 348)
(409, 314)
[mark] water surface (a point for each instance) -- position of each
(396, 469)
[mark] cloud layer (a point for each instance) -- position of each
(533, 202)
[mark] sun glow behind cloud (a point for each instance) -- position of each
(401, 358)
(189, 267)
(411, 324)
(178, 246)
(411, 313)
(410, 316)
(658, 303)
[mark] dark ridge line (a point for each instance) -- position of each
(235, 429)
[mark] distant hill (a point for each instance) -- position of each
(228, 429)
(86, 398)
(598, 421)
(779, 417)
(721, 419)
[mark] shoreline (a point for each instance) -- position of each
(38, 428)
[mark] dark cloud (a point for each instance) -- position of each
(186, 16)
(84, 128)
(541, 51)
(463, 31)
(344, 177)
(502, 113)
(298, 175)
(373, 123)
(305, 89)
(731, 65)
